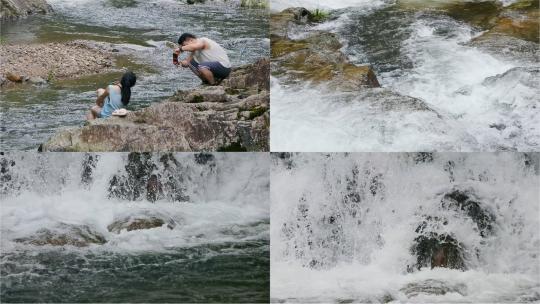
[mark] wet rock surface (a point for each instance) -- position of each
(231, 117)
(433, 287)
(438, 250)
(64, 234)
(142, 179)
(316, 58)
(13, 9)
(40, 63)
(138, 222)
(435, 248)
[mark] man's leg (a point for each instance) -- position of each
(195, 69)
(207, 75)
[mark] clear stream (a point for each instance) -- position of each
(141, 30)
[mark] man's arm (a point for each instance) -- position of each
(199, 45)
(186, 61)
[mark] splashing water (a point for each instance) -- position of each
(478, 100)
(343, 226)
(211, 242)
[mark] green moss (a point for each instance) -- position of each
(197, 99)
(256, 112)
(231, 91)
(282, 47)
(234, 147)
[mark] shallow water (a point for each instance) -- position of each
(216, 251)
(141, 30)
(343, 226)
(480, 101)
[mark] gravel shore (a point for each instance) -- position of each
(23, 62)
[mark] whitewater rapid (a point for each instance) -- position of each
(343, 226)
(44, 191)
(478, 100)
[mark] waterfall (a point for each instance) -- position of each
(377, 227)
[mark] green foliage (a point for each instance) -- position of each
(319, 15)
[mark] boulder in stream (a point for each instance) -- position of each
(64, 234)
(138, 222)
(315, 59)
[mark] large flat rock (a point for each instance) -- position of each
(231, 117)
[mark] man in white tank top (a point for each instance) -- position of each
(207, 59)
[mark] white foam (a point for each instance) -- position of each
(366, 256)
(231, 194)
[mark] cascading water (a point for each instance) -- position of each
(480, 96)
(405, 227)
(134, 227)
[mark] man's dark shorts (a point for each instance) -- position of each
(219, 71)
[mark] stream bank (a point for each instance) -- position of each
(233, 116)
(42, 63)
(144, 47)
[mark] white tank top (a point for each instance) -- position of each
(213, 52)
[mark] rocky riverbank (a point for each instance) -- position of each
(13, 9)
(41, 63)
(233, 116)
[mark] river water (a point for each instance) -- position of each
(141, 30)
(216, 251)
(343, 226)
(482, 98)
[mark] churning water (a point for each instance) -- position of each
(211, 245)
(480, 98)
(345, 227)
(141, 30)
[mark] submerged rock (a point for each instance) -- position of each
(64, 234)
(13, 9)
(138, 222)
(433, 287)
(316, 59)
(438, 250)
(146, 177)
(89, 164)
(463, 201)
(204, 119)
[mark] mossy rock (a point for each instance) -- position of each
(135, 223)
(256, 112)
(282, 47)
(64, 235)
(481, 14)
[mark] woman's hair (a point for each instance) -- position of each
(128, 80)
(184, 37)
